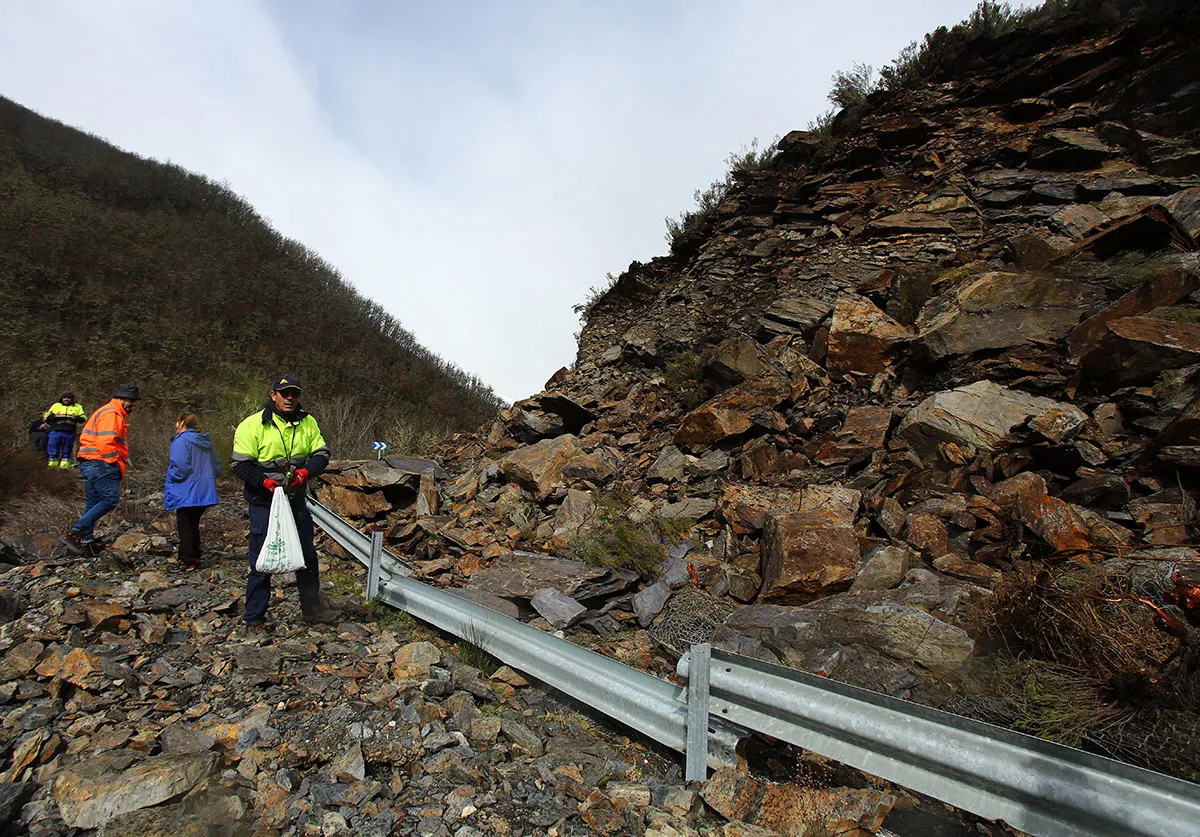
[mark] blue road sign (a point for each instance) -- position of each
(378, 445)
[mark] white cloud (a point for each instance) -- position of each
(474, 167)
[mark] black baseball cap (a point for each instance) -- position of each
(286, 382)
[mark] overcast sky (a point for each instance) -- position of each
(474, 167)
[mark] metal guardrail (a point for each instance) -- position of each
(1042, 788)
(640, 701)
(1034, 785)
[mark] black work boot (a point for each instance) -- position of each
(73, 541)
(320, 611)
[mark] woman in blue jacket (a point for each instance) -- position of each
(191, 484)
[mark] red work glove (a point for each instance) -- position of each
(270, 485)
(299, 479)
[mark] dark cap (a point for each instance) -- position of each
(128, 391)
(286, 382)
(67, 394)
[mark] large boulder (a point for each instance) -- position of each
(997, 310)
(886, 640)
(1136, 350)
(975, 416)
(520, 575)
(736, 412)
(805, 555)
(539, 468)
(96, 790)
(861, 338)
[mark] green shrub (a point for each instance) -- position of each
(595, 294)
(851, 87)
(472, 650)
(684, 374)
(750, 158)
(615, 542)
(619, 546)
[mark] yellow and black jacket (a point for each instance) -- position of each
(267, 445)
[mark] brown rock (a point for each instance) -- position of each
(734, 413)
(962, 567)
(103, 615)
(1136, 350)
(1161, 289)
(795, 810)
(861, 338)
(805, 556)
(1055, 522)
(928, 534)
(82, 669)
(539, 467)
(349, 502)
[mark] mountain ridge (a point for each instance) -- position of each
(119, 268)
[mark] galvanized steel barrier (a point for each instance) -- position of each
(640, 701)
(1042, 788)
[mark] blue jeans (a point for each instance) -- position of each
(258, 585)
(101, 492)
(60, 445)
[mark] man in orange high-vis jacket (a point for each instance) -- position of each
(103, 455)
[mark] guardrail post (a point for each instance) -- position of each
(696, 768)
(374, 565)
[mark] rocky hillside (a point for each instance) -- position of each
(916, 409)
(115, 268)
(910, 411)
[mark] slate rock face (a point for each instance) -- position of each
(1000, 310)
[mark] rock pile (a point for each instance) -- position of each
(130, 704)
(880, 381)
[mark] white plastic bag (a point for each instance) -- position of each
(281, 551)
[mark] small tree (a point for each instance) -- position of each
(851, 87)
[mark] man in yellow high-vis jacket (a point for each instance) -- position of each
(280, 447)
(63, 420)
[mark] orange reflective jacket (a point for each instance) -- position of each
(104, 435)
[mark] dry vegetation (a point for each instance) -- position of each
(115, 268)
(1084, 660)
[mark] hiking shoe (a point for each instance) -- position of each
(321, 613)
(190, 566)
(65, 465)
(73, 541)
(251, 631)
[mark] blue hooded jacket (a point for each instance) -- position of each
(192, 473)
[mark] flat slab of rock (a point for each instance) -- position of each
(978, 415)
(559, 609)
(888, 621)
(1159, 290)
(794, 315)
(522, 574)
(997, 310)
(1135, 350)
(102, 787)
